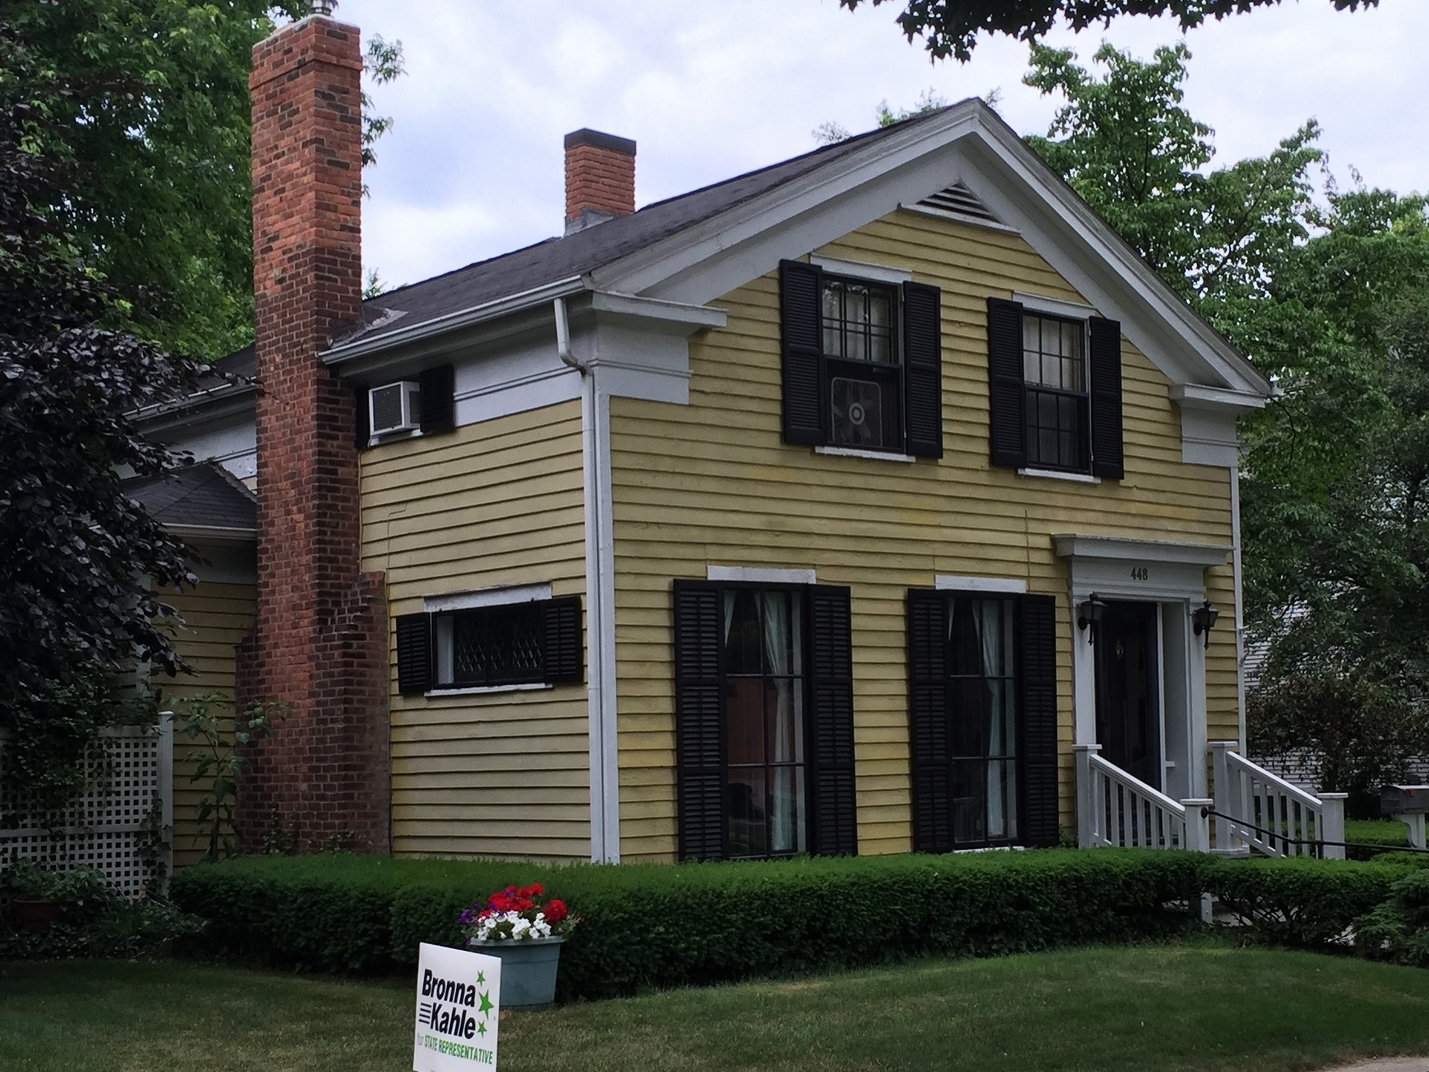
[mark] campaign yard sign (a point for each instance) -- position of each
(458, 1010)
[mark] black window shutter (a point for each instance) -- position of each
(1037, 651)
(801, 321)
(364, 417)
(1106, 399)
(928, 720)
(563, 640)
(699, 720)
(438, 401)
(1007, 401)
(923, 368)
(414, 654)
(834, 806)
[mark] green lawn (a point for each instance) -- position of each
(1198, 1007)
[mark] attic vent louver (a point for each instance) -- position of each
(958, 200)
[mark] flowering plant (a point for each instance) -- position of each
(515, 914)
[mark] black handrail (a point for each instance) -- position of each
(1319, 843)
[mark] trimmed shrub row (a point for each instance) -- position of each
(674, 925)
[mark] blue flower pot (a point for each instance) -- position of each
(528, 970)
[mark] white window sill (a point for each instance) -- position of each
(876, 455)
(486, 690)
(1053, 474)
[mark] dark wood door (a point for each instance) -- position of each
(1128, 693)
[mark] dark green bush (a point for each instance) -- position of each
(658, 925)
(1297, 901)
(1398, 929)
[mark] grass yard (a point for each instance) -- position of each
(1193, 1007)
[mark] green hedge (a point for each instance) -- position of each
(674, 925)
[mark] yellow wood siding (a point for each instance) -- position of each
(712, 483)
(216, 617)
(492, 504)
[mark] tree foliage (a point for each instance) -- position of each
(1328, 292)
(950, 27)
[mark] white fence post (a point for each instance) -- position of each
(1223, 790)
(1332, 822)
(1198, 823)
(1087, 818)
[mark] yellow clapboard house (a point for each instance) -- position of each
(870, 502)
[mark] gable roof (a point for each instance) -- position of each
(691, 249)
(202, 497)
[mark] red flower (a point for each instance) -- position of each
(555, 910)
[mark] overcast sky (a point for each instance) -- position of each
(473, 164)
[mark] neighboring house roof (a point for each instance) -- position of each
(200, 499)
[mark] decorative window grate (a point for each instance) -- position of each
(119, 827)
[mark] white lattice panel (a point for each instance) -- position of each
(104, 828)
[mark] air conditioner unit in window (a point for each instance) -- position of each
(394, 407)
(856, 412)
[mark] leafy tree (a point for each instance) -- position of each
(1331, 297)
(950, 27)
(160, 139)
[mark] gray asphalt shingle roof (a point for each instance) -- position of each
(200, 496)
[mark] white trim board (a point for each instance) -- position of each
(488, 597)
(878, 273)
(759, 575)
(1014, 586)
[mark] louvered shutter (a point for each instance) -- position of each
(699, 720)
(438, 401)
(563, 640)
(801, 323)
(1106, 399)
(834, 810)
(923, 368)
(1007, 399)
(414, 654)
(1037, 655)
(928, 720)
(363, 431)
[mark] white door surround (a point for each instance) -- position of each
(1171, 575)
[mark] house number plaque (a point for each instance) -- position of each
(1140, 573)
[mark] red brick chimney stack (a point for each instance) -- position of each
(600, 178)
(319, 643)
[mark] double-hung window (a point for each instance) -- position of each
(764, 720)
(983, 719)
(862, 362)
(1054, 385)
(489, 640)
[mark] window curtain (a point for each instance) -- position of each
(988, 622)
(774, 615)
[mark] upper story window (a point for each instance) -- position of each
(862, 362)
(1054, 391)
(1055, 374)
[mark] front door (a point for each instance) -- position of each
(1128, 692)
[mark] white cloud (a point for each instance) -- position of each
(473, 166)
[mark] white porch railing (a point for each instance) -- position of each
(1272, 816)
(1116, 809)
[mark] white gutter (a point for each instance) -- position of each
(1239, 606)
(476, 314)
(600, 601)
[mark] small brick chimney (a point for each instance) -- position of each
(320, 638)
(600, 178)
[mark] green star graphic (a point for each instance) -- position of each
(480, 978)
(481, 1028)
(486, 1005)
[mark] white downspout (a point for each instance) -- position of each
(604, 774)
(1239, 606)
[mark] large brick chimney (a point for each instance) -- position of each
(600, 178)
(319, 643)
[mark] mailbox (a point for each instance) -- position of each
(1410, 803)
(1396, 800)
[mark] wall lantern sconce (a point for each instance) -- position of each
(1089, 612)
(1202, 618)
